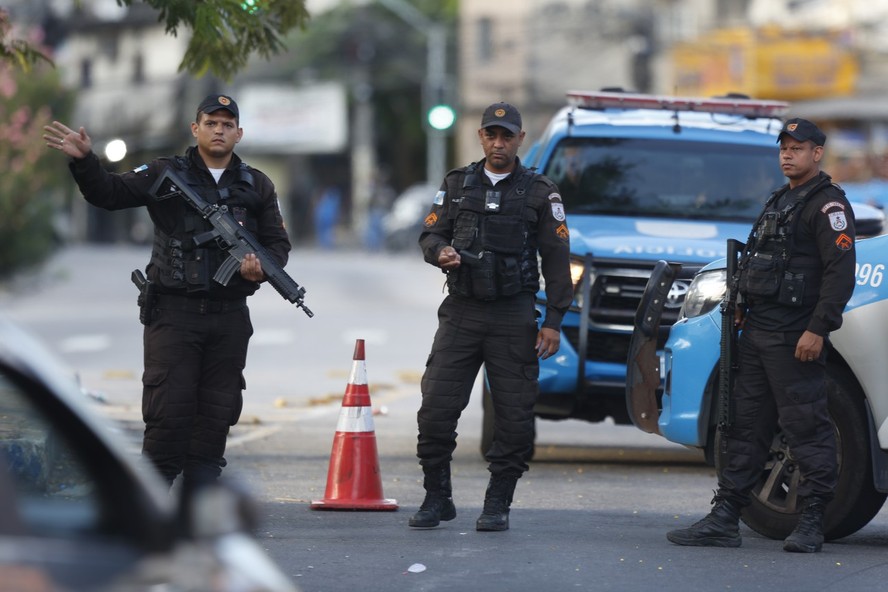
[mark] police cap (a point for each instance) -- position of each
(803, 131)
(214, 103)
(503, 115)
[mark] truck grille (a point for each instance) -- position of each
(615, 295)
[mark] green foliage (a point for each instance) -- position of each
(28, 101)
(226, 32)
(17, 52)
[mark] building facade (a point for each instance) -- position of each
(829, 57)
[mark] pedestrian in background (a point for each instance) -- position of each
(196, 330)
(326, 216)
(795, 277)
(382, 196)
(488, 223)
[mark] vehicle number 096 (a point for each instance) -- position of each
(869, 274)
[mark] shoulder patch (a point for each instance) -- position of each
(439, 198)
(831, 205)
(837, 221)
(139, 169)
(558, 211)
(430, 220)
(562, 232)
(844, 242)
(555, 196)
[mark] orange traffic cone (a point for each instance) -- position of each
(353, 481)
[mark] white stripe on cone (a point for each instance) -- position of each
(355, 419)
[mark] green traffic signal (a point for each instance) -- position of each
(250, 6)
(441, 117)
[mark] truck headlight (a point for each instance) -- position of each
(577, 272)
(577, 268)
(706, 292)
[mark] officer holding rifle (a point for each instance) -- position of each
(196, 329)
(795, 275)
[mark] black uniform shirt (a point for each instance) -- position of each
(552, 234)
(824, 238)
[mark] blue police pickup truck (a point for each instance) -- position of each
(643, 178)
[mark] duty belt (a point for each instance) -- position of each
(198, 305)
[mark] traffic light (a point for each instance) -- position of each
(250, 6)
(440, 113)
(441, 117)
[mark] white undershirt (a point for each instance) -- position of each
(495, 177)
(217, 173)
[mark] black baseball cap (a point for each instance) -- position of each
(213, 103)
(503, 115)
(803, 131)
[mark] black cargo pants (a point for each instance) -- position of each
(193, 388)
(501, 334)
(773, 388)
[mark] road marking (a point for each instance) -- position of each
(253, 434)
(272, 337)
(85, 343)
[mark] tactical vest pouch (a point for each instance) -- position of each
(503, 234)
(762, 275)
(792, 289)
(509, 276)
(197, 271)
(465, 230)
(482, 273)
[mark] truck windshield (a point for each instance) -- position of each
(664, 178)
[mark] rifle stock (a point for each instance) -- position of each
(231, 237)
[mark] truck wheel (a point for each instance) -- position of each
(773, 511)
(487, 423)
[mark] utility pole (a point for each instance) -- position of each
(436, 78)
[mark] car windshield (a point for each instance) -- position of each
(664, 178)
(44, 484)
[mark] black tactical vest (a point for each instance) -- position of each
(180, 263)
(764, 270)
(495, 236)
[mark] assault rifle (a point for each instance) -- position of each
(727, 362)
(230, 236)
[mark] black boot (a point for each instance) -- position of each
(438, 502)
(808, 534)
(497, 500)
(720, 528)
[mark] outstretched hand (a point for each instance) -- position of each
(75, 144)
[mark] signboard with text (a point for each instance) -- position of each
(280, 119)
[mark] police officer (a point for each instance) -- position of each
(795, 277)
(197, 331)
(487, 225)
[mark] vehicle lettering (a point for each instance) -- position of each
(869, 274)
(702, 253)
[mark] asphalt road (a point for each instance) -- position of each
(591, 514)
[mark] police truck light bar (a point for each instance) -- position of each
(729, 105)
